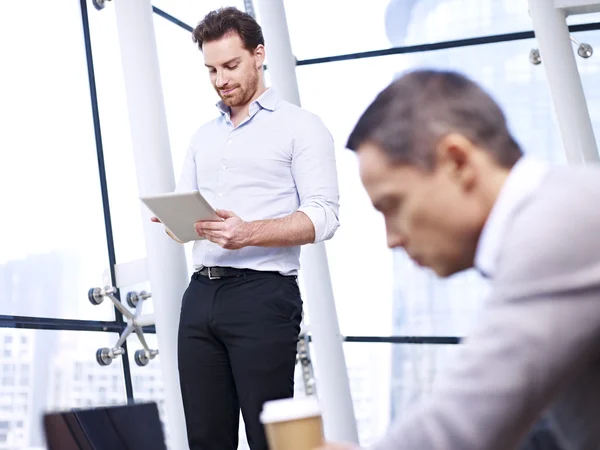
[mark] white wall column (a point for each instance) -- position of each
(557, 53)
(167, 270)
(333, 386)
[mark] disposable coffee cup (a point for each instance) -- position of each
(293, 424)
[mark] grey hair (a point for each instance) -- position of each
(409, 117)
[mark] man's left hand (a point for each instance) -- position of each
(231, 233)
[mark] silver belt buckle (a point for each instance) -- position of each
(210, 277)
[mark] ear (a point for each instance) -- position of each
(455, 157)
(259, 56)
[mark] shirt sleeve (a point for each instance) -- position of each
(315, 174)
(187, 180)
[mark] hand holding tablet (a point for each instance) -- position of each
(179, 211)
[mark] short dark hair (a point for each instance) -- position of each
(223, 21)
(415, 111)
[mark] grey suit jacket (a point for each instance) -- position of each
(537, 346)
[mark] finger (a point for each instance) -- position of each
(211, 226)
(154, 219)
(199, 231)
(224, 214)
(219, 238)
(200, 227)
(212, 237)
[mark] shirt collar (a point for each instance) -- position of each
(523, 179)
(268, 100)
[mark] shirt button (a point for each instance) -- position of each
(224, 167)
(220, 194)
(229, 141)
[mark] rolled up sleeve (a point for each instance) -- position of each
(315, 174)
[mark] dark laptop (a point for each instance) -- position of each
(127, 427)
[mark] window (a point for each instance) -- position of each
(192, 12)
(341, 27)
(47, 267)
(424, 304)
(403, 299)
(54, 249)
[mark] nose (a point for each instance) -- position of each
(221, 81)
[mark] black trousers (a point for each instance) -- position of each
(237, 349)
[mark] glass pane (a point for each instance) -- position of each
(425, 305)
(388, 379)
(340, 27)
(419, 302)
(415, 368)
(583, 18)
(52, 234)
(125, 206)
(147, 380)
(192, 11)
(369, 373)
(44, 371)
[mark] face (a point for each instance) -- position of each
(436, 216)
(235, 73)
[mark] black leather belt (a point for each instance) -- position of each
(214, 273)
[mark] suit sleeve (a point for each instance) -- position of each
(540, 330)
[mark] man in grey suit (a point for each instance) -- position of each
(438, 161)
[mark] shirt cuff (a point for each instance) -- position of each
(318, 217)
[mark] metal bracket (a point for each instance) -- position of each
(135, 322)
(584, 50)
(99, 4)
(306, 365)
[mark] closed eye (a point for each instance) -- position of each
(387, 204)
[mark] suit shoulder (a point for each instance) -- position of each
(557, 227)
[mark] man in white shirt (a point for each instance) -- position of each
(438, 161)
(268, 167)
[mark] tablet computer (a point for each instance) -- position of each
(178, 211)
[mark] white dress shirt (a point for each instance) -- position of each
(278, 160)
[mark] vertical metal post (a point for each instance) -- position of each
(552, 33)
(331, 372)
(154, 169)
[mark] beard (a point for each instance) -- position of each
(243, 92)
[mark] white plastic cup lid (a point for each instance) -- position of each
(290, 409)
